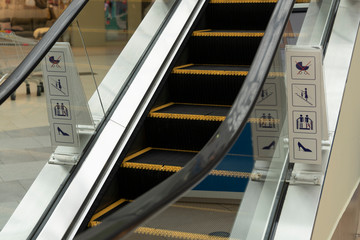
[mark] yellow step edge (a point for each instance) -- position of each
(187, 117)
(206, 33)
(176, 234)
(210, 72)
(181, 70)
(226, 65)
(154, 114)
(137, 154)
(242, 1)
(134, 155)
(251, 1)
(151, 167)
(201, 117)
(226, 34)
(175, 150)
(165, 168)
(94, 223)
(208, 118)
(203, 104)
(222, 72)
(162, 107)
(179, 205)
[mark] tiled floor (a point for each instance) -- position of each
(24, 148)
(24, 131)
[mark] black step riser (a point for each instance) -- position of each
(244, 16)
(178, 133)
(134, 182)
(223, 50)
(204, 89)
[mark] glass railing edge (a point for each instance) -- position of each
(39, 51)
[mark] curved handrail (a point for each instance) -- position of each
(23, 70)
(129, 217)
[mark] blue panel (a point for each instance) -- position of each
(244, 143)
(224, 184)
(233, 162)
(236, 163)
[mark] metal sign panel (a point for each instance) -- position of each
(67, 105)
(307, 120)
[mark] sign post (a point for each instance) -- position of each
(66, 101)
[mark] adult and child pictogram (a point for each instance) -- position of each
(304, 95)
(267, 95)
(58, 86)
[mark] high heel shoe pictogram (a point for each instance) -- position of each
(61, 132)
(303, 148)
(272, 144)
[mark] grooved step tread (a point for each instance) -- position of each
(170, 160)
(227, 33)
(211, 69)
(97, 218)
(188, 111)
(251, 1)
(241, 1)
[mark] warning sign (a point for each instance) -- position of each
(305, 113)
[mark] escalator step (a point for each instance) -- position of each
(224, 47)
(206, 84)
(183, 126)
(239, 14)
(191, 111)
(172, 160)
(168, 160)
(145, 169)
(99, 216)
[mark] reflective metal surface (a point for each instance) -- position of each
(318, 22)
(102, 157)
(302, 201)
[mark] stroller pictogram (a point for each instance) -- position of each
(55, 62)
(302, 69)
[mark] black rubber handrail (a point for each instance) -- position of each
(23, 70)
(125, 220)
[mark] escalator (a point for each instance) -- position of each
(194, 99)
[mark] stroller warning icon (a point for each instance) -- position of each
(303, 68)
